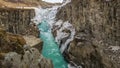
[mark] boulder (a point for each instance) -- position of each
(32, 58)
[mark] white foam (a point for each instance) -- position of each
(61, 35)
(49, 14)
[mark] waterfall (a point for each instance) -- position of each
(45, 20)
(49, 15)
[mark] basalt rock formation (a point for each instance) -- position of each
(18, 21)
(97, 40)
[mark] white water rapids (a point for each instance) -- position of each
(49, 15)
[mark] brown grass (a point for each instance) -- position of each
(23, 3)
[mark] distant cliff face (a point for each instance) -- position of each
(18, 21)
(97, 32)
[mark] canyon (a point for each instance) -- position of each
(96, 42)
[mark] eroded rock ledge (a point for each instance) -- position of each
(15, 53)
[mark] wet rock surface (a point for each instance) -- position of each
(97, 32)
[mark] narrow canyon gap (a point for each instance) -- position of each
(45, 18)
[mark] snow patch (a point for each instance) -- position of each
(53, 1)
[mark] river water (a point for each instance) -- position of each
(45, 19)
(50, 48)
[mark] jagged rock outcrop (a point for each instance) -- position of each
(97, 30)
(31, 59)
(34, 42)
(15, 53)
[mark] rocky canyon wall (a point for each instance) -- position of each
(18, 21)
(97, 39)
(16, 53)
